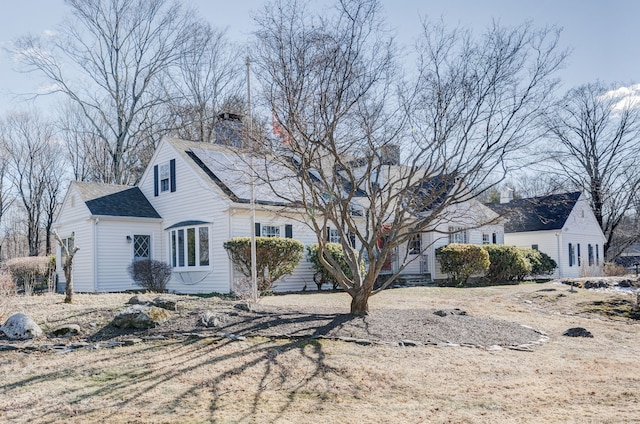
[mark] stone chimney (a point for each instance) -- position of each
(506, 195)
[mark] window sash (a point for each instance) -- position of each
(270, 231)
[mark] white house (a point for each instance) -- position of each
(191, 198)
(561, 225)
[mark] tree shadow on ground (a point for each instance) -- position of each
(169, 376)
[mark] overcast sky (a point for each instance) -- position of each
(604, 35)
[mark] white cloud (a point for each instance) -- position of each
(624, 97)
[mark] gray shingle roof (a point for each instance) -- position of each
(536, 213)
(115, 200)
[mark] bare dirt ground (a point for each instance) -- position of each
(270, 378)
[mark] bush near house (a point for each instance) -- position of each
(460, 261)
(508, 263)
(150, 274)
(322, 274)
(32, 273)
(276, 257)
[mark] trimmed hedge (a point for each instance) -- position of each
(460, 261)
(276, 257)
(541, 263)
(508, 263)
(322, 274)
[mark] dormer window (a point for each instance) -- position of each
(164, 177)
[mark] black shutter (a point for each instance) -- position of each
(155, 180)
(257, 229)
(172, 173)
(328, 230)
(288, 231)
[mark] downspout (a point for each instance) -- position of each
(95, 254)
(558, 233)
(231, 213)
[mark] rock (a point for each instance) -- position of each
(66, 330)
(140, 299)
(443, 313)
(132, 341)
(21, 327)
(243, 306)
(164, 303)
(141, 316)
(4, 347)
(626, 284)
(212, 319)
(577, 332)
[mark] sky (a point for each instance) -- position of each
(603, 35)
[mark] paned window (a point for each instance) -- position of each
(486, 239)
(457, 235)
(141, 247)
(332, 235)
(189, 247)
(270, 231)
(415, 244)
(164, 177)
(572, 255)
(590, 254)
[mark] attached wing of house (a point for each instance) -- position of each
(561, 225)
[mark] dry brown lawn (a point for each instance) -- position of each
(565, 380)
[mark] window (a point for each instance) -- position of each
(69, 243)
(164, 177)
(141, 247)
(355, 210)
(189, 247)
(332, 235)
(579, 255)
(534, 246)
(572, 255)
(415, 244)
(485, 238)
(270, 231)
(352, 239)
(590, 254)
(457, 235)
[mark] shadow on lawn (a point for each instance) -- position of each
(208, 377)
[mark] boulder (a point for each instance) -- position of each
(164, 303)
(21, 327)
(66, 330)
(141, 316)
(577, 332)
(140, 299)
(212, 319)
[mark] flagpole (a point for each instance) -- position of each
(254, 269)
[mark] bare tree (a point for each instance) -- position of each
(68, 249)
(375, 163)
(110, 59)
(29, 143)
(6, 196)
(595, 131)
(209, 73)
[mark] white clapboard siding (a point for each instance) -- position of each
(195, 199)
(74, 218)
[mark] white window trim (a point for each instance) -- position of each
(277, 233)
(186, 267)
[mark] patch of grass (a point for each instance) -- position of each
(612, 308)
